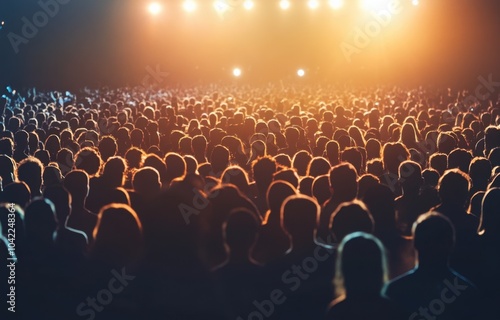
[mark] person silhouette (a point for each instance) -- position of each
(432, 288)
(361, 273)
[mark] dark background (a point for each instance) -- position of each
(112, 42)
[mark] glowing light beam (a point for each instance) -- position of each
(154, 8)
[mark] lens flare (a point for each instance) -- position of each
(154, 8)
(248, 4)
(221, 6)
(336, 4)
(301, 73)
(313, 4)
(237, 72)
(189, 5)
(284, 4)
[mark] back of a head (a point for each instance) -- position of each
(344, 180)
(114, 171)
(490, 219)
(263, 170)
(301, 162)
(219, 158)
(454, 187)
(88, 160)
(30, 171)
(410, 175)
(362, 266)
(321, 188)
(241, 229)
(176, 166)
(433, 235)
(61, 198)
(277, 193)
(146, 181)
(237, 176)
(40, 218)
(299, 215)
(117, 234)
(351, 217)
(16, 192)
(77, 183)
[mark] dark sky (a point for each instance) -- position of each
(114, 42)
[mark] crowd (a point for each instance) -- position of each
(235, 203)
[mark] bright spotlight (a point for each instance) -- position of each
(301, 73)
(221, 6)
(415, 2)
(189, 5)
(375, 5)
(237, 72)
(154, 8)
(313, 4)
(284, 4)
(248, 4)
(336, 4)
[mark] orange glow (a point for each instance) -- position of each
(154, 8)
(284, 4)
(248, 4)
(301, 73)
(189, 5)
(313, 4)
(237, 72)
(221, 6)
(336, 4)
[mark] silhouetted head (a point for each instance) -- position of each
(30, 171)
(454, 188)
(410, 177)
(146, 181)
(438, 162)
(16, 192)
(7, 169)
(240, 231)
(237, 176)
(40, 220)
(114, 172)
(301, 161)
(490, 219)
(219, 159)
(135, 157)
(344, 181)
(392, 156)
(433, 238)
(288, 175)
(263, 170)
(88, 160)
(350, 217)
(176, 166)
(107, 147)
(299, 217)
(117, 235)
(77, 184)
(61, 199)
(480, 172)
(361, 266)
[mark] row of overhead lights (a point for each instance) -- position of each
(221, 6)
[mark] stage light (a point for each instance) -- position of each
(313, 4)
(375, 5)
(284, 4)
(248, 4)
(415, 2)
(154, 8)
(301, 73)
(336, 4)
(237, 72)
(221, 6)
(189, 5)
